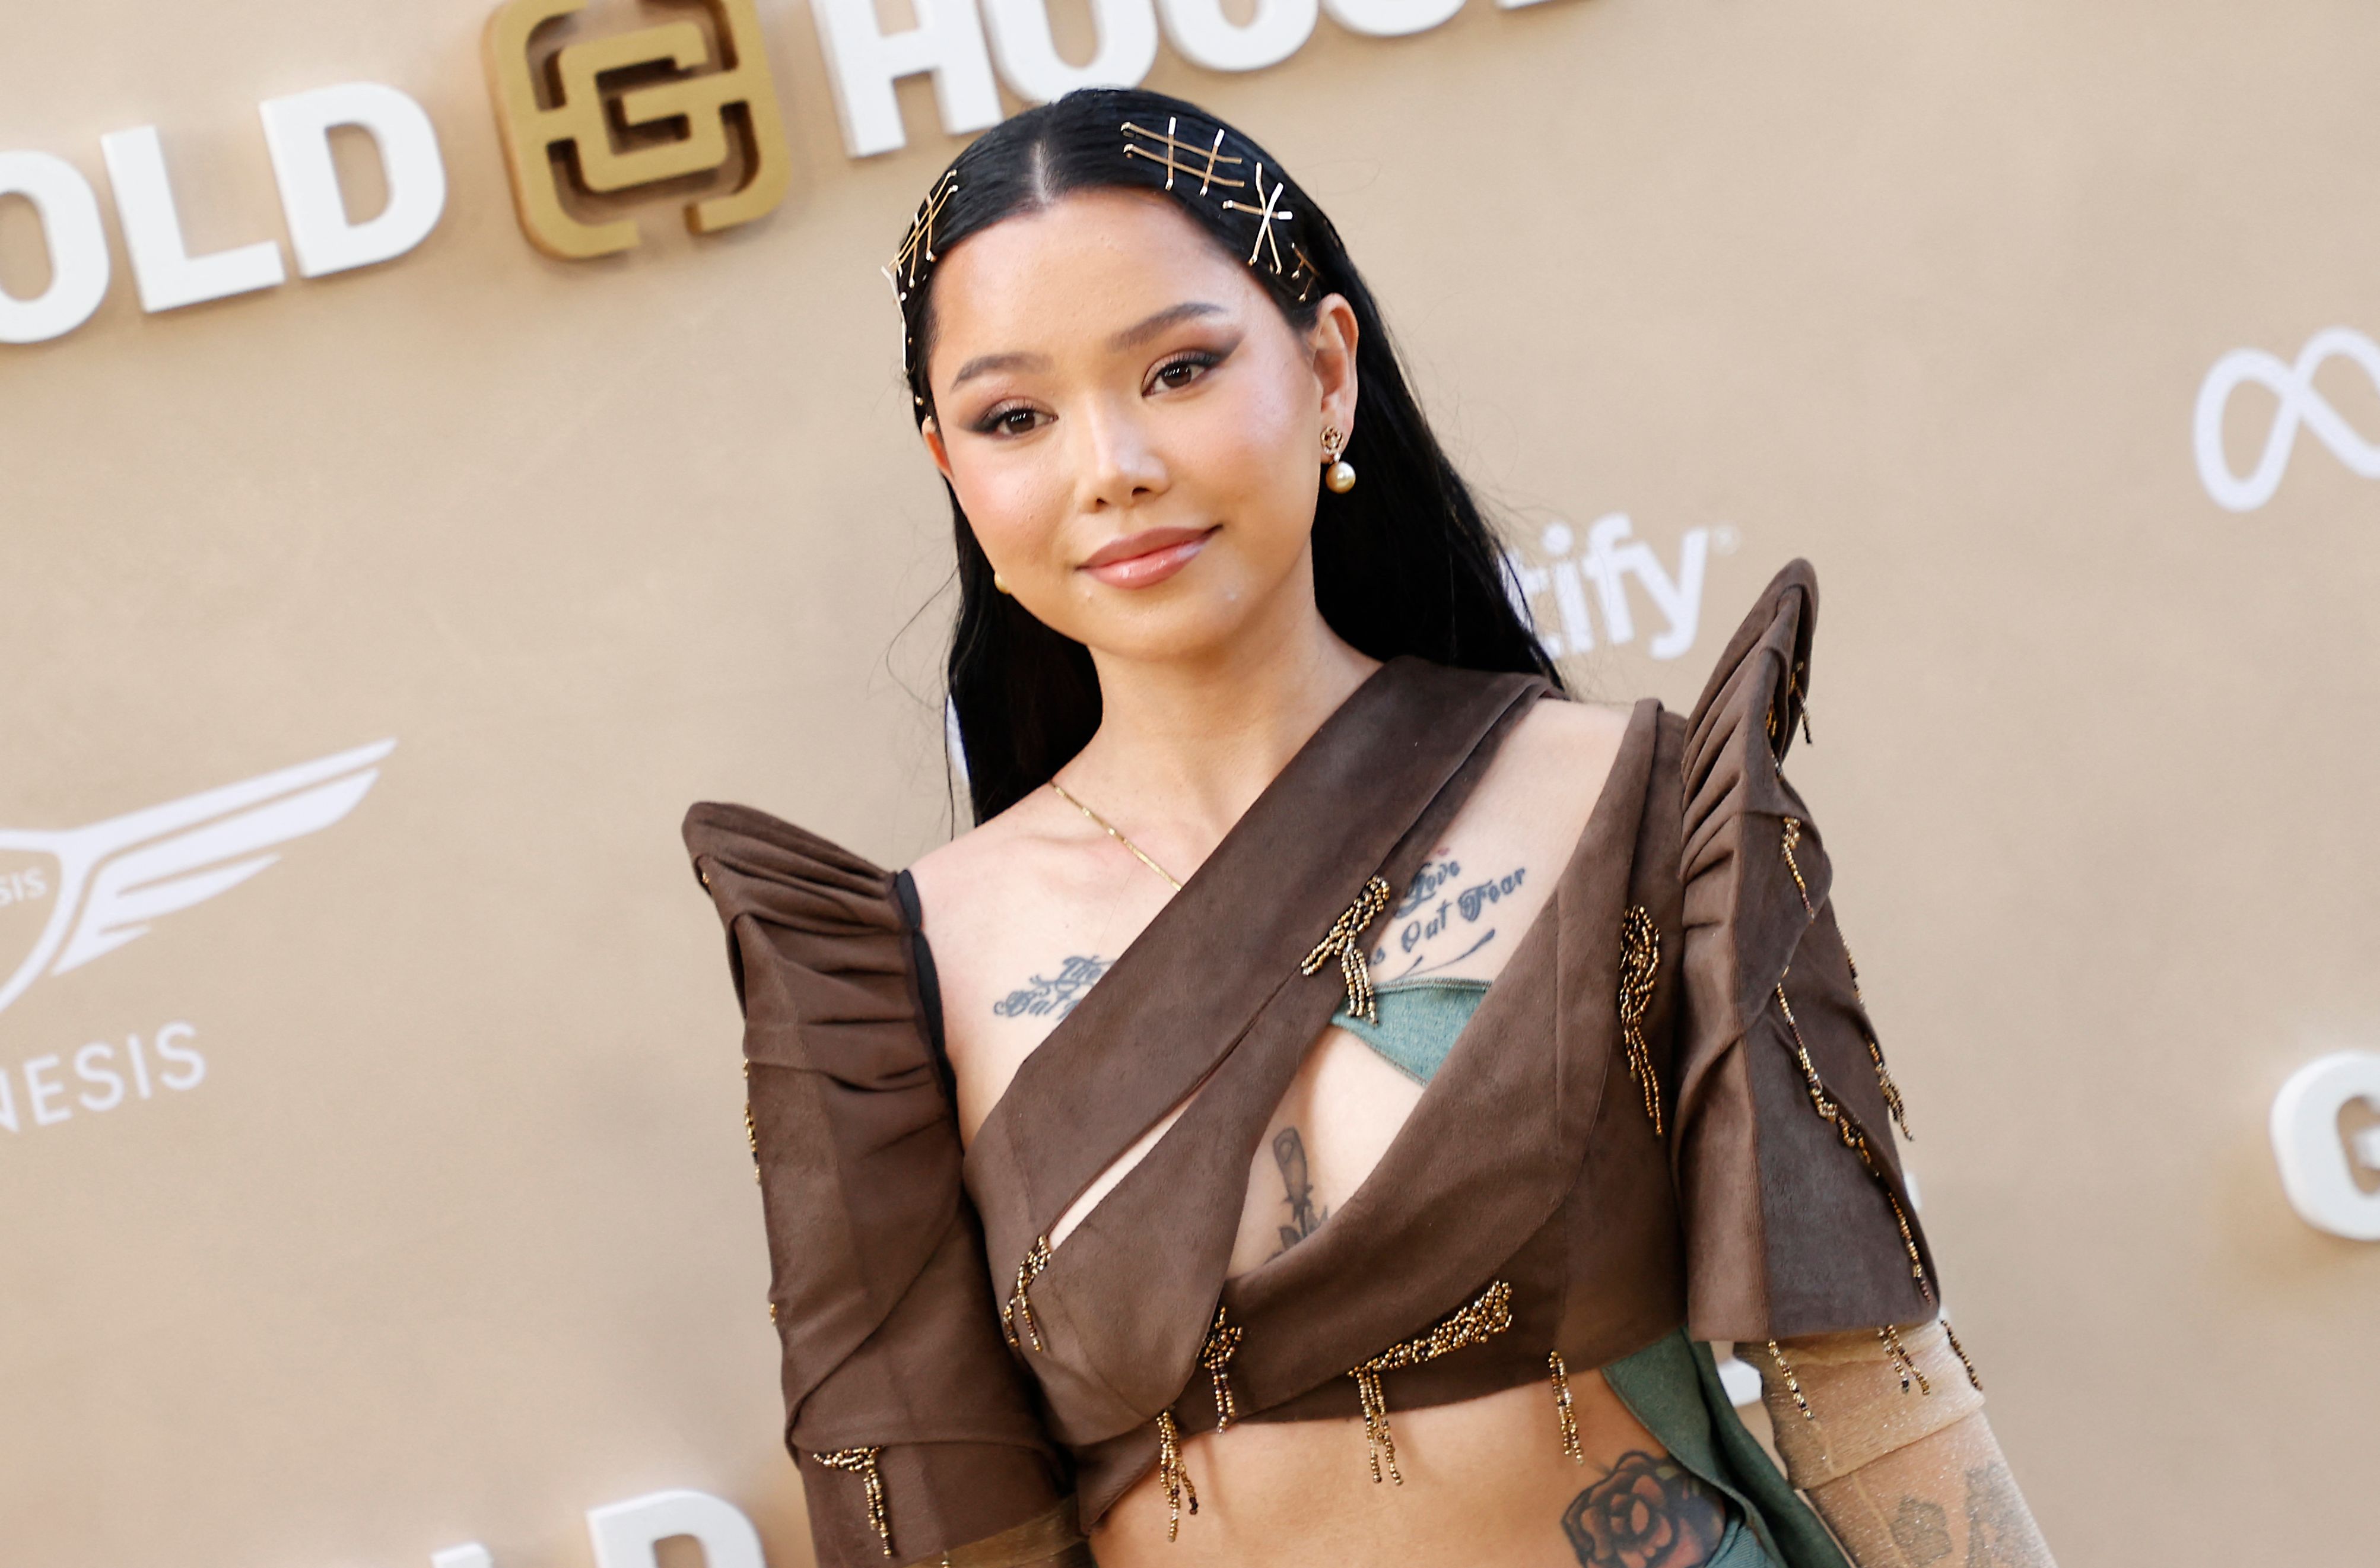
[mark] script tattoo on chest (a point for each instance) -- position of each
(1440, 900)
(1049, 995)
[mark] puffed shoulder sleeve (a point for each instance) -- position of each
(905, 1412)
(1797, 1218)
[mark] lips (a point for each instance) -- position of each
(1145, 559)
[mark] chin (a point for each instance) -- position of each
(1194, 625)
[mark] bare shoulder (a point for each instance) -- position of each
(1561, 751)
(1023, 860)
(946, 872)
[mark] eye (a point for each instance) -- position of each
(1009, 420)
(1182, 368)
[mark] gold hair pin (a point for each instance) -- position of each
(1167, 145)
(917, 247)
(1270, 213)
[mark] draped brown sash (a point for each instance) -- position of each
(1210, 999)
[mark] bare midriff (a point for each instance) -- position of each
(1486, 1482)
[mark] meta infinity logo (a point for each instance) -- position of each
(111, 879)
(2300, 407)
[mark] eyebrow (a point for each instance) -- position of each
(984, 364)
(1189, 309)
(1131, 337)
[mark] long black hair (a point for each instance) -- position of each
(1403, 564)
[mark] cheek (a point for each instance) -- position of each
(1016, 499)
(1245, 453)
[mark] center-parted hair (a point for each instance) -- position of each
(1403, 564)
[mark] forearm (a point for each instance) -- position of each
(1906, 1475)
(1948, 1498)
(1047, 1540)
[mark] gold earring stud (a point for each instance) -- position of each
(1340, 474)
(1001, 583)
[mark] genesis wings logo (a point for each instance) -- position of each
(110, 880)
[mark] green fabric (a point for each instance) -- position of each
(1418, 1022)
(1672, 1385)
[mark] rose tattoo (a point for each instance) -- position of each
(1649, 1513)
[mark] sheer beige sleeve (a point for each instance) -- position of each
(1053, 1539)
(1885, 1431)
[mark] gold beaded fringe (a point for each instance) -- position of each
(1563, 1416)
(1486, 1317)
(1640, 963)
(1902, 1362)
(1018, 1308)
(1876, 1054)
(861, 1462)
(1831, 1112)
(1222, 1343)
(1792, 840)
(751, 1127)
(1951, 1334)
(1792, 1384)
(1179, 1492)
(1341, 943)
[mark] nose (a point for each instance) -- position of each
(1117, 466)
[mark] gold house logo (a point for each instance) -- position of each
(604, 119)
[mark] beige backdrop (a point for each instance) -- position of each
(456, 1238)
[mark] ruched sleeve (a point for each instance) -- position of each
(1797, 1218)
(905, 1412)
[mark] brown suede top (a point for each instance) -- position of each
(1529, 1159)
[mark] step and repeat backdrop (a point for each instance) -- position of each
(440, 441)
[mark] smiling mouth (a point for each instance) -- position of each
(1145, 559)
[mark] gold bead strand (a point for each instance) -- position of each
(1793, 1383)
(1565, 1416)
(1171, 1475)
(751, 1127)
(861, 1462)
(1344, 943)
(1903, 1362)
(1640, 966)
(1222, 1343)
(1018, 1308)
(1488, 1315)
(1961, 1351)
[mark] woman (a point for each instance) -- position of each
(1321, 1109)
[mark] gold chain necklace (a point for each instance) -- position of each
(1113, 831)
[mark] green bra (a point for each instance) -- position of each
(1418, 1022)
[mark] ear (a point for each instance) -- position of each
(1331, 346)
(932, 433)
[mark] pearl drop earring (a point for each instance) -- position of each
(1341, 475)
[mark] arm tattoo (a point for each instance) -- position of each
(1046, 994)
(1648, 1512)
(1922, 1530)
(2000, 1532)
(1288, 1153)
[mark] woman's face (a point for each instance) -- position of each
(1133, 426)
